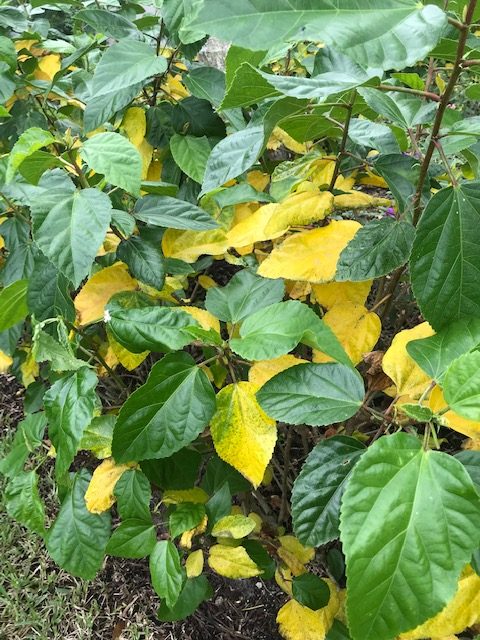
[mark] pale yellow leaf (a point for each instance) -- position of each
(461, 612)
(323, 173)
(187, 536)
(258, 179)
(356, 328)
(204, 318)
(145, 150)
(97, 291)
(194, 564)
(401, 368)
(206, 282)
(310, 255)
(333, 293)
(254, 227)
(5, 362)
(284, 578)
(437, 403)
(359, 200)
(372, 180)
(300, 209)
(294, 554)
(297, 622)
(232, 562)
(257, 519)
(237, 527)
(243, 434)
(177, 496)
(126, 358)
(279, 137)
(29, 368)
(263, 370)
(190, 245)
(109, 245)
(298, 290)
(48, 66)
(173, 87)
(99, 495)
(134, 124)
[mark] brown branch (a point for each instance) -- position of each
(343, 143)
(416, 92)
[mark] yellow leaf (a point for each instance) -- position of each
(48, 66)
(99, 495)
(333, 293)
(97, 291)
(126, 358)
(206, 282)
(204, 318)
(194, 564)
(372, 180)
(145, 150)
(401, 368)
(297, 622)
(310, 255)
(232, 562)
(359, 200)
(294, 554)
(461, 612)
(177, 496)
(437, 403)
(29, 368)
(174, 87)
(187, 536)
(300, 209)
(258, 179)
(134, 124)
(238, 526)
(279, 136)
(154, 173)
(298, 290)
(190, 245)
(263, 370)
(284, 578)
(243, 434)
(254, 228)
(256, 518)
(356, 328)
(5, 362)
(109, 245)
(323, 173)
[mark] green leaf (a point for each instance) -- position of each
(150, 328)
(164, 211)
(248, 86)
(179, 471)
(23, 501)
(338, 631)
(314, 394)
(116, 158)
(401, 173)
(35, 165)
(30, 141)
(418, 412)
(123, 221)
(318, 489)
(186, 516)
(97, 437)
(13, 304)
(377, 248)
(108, 23)
(60, 355)
(69, 227)
(133, 493)
(165, 414)
(245, 294)
(410, 521)
(194, 592)
(372, 34)
(436, 353)
(219, 472)
(144, 259)
(461, 385)
(404, 110)
(239, 193)
(471, 462)
(8, 54)
(373, 135)
(166, 573)
(219, 506)
(77, 539)
(48, 292)
(311, 591)
(134, 538)
(119, 77)
(261, 558)
(278, 328)
(27, 438)
(445, 262)
(69, 406)
(190, 155)
(232, 156)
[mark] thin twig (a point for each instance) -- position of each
(343, 143)
(416, 92)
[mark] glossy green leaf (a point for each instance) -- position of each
(165, 414)
(166, 573)
(311, 591)
(69, 406)
(219, 505)
(461, 385)
(377, 248)
(190, 155)
(245, 294)
(315, 394)
(278, 328)
(133, 493)
(178, 471)
(27, 438)
(418, 412)
(13, 304)
(409, 523)
(30, 141)
(77, 539)
(165, 211)
(144, 259)
(194, 592)
(445, 262)
(318, 489)
(471, 462)
(186, 516)
(23, 501)
(134, 538)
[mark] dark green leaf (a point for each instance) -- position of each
(133, 495)
(164, 211)
(311, 591)
(13, 304)
(144, 259)
(23, 501)
(218, 472)
(404, 110)
(471, 462)
(194, 592)
(179, 471)
(186, 516)
(134, 538)
(219, 505)
(166, 573)
(261, 558)
(191, 155)
(107, 22)
(401, 173)
(27, 438)
(48, 292)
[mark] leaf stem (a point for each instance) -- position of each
(343, 143)
(415, 92)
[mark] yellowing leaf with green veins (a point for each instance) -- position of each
(356, 328)
(300, 209)
(177, 496)
(99, 495)
(297, 622)
(359, 200)
(126, 358)
(253, 228)
(194, 564)
(134, 124)
(243, 434)
(263, 370)
(294, 554)
(333, 293)
(310, 255)
(190, 245)
(204, 318)
(5, 362)
(91, 301)
(232, 562)
(461, 612)
(407, 376)
(437, 403)
(237, 527)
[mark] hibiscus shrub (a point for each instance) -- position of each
(245, 302)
